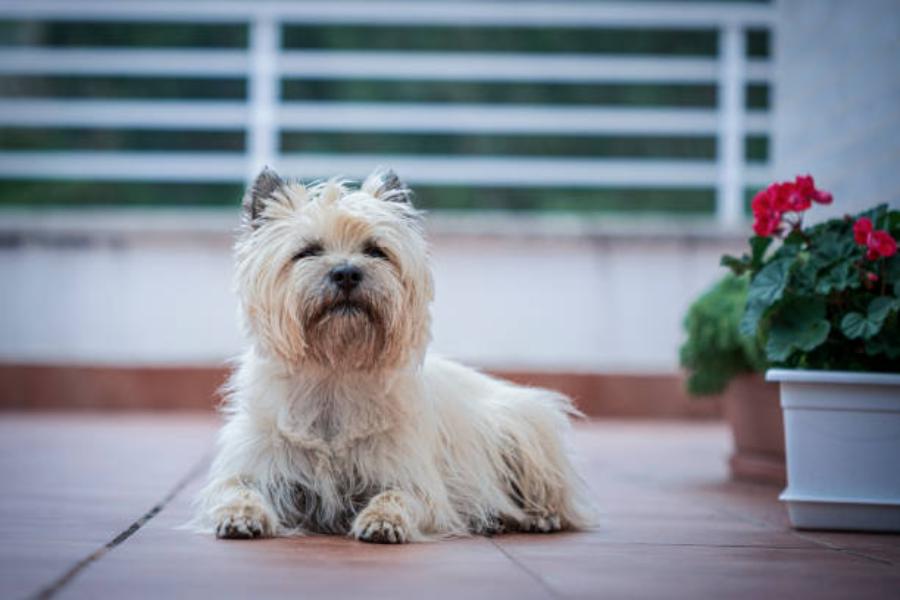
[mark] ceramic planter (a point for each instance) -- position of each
(842, 436)
(753, 412)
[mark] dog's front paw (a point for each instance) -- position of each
(385, 520)
(547, 523)
(382, 531)
(243, 522)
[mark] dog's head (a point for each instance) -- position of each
(334, 276)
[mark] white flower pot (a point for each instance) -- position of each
(842, 440)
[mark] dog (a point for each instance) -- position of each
(336, 418)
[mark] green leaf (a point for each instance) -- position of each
(803, 277)
(758, 247)
(897, 289)
(765, 289)
(884, 344)
(831, 247)
(855, 326)
(893, 221)
(880, 308)
(892, 268)
(878, 214)
(838, 278)
(737, 265)
(799, 325)
(795, 239)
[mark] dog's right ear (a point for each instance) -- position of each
(384, 184)
(259, 193)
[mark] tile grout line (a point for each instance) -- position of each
(793, 533)
(58, 584)
(540, 580)
(702, 545)
(631, 478)
(842, 550)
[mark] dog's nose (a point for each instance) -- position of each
(346, 277)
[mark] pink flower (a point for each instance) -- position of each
(766, 212)
(765, 226)
(770, 204)
(880, 244)
(823, 197)
(796, 199)
(861, 230)
(806, 187)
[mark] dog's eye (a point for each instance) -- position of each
(372, 250)
(308, 251)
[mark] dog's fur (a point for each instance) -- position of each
(337, 421)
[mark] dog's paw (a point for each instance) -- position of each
(243, 522)
(385, 520)
(547, 523)
(488, 527)
(383, 531)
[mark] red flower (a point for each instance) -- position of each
(795, 197)
(770, 204)
(880, 244)
(766, 211)
(806, 187)
(823, 197)
(765, 226)
(861, 230)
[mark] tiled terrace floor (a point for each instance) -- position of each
(90, 506)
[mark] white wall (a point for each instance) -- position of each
(837, 99)
(607, 298)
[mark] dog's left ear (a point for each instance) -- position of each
(384, 184)
(260, 192)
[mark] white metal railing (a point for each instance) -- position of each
(264, 115)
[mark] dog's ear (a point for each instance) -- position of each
(384, 184)
(260, 192)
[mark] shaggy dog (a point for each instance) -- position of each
(337, 421)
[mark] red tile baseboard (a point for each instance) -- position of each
(85, 388)
(55, 387)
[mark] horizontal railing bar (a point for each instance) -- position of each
(449, 170)
(370, 65)
(127, 166)
(520, 171)
(126, 114)
(409, 12)
(381, 117)
(124, 61)
(483, 66)
(513, 171)
(481, 118)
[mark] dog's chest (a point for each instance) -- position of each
(334, 513)
(335, 482)
(337, 451)
(331, 419)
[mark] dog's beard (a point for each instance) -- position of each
(349, 331)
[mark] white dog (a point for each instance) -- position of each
(337, 421)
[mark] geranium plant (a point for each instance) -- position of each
(715, 352)
(826, 296)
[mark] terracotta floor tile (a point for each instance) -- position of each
(706, 572)
(72, 483)
(880, 547)
(671, 526)
(311, 567)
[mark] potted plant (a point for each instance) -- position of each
(823, 302)
(720, 360)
